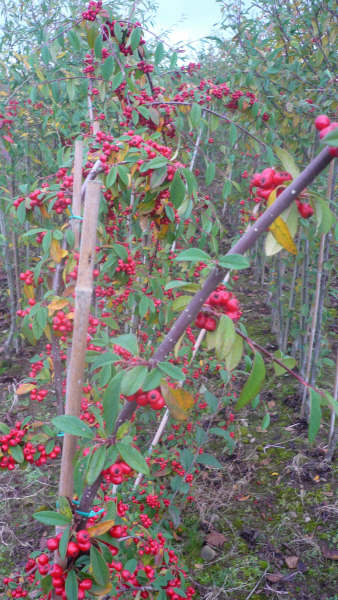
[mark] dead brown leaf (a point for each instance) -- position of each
(214, 538)
(291, 561)
(274, 577)
(332, 554)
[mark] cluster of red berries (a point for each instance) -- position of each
(27, 277)
(32, 454)
(266, 182)
(92, 11)
(324, 125)
(38, 395)
(154, 399)
(269, 180)
(221, 301)
(61, 203)
(62, 325)
(117, 473)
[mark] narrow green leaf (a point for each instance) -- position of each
(50, 517)
(118, 32)
(315, 415)
(128, 341)
(107, 68)
(235, 354)
(180, 303)
(17, 453)
(111, 177)
(135, 37)
(331, 139)
(234, 261)
(111, 402)
(71, 586)
(254, 382)
(173, 372)
(193, 255)
(73, 425)
(225, 336)
(116, 81)
(64, 542)
(100, 569)
(96, 464)
(159, 53)
(195, 115)
(210, 173)
(287, 161)
(265, 422)
(208, 460)
(133, 380)
(98, 47)
(152, 380)
(133, 457)
(177, 190)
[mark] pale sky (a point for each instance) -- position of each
(189, 20)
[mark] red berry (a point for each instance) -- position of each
(321, 122)
(116, 531)
(305, 210)
(73, 549)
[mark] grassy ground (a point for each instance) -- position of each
(262, 528)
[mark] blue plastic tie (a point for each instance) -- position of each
(60, 434)
(75, 217)
(92, 513)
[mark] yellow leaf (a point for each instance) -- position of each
(44, 212)
(57, 304)
(48, 333)
(281, 233)
(179, 401)
(24, 388)
(28, 290)
(101, 528)
(184, 109)
(57, 253)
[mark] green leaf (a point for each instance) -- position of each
(21, 213)
(235, 354)
(210, 173)
(180, 302)
(289, 362)
(133, 457)
(74, 40)
(315, 415)
(64, 507)
(234, 261)
(287, 161)
(173, 372)
(118, 32)
(100, 569)
(71, 586)
(45, 55)
(325, 217)
(177, 190)
(152, 380)
(331, 139)
(111, 177)
(159, 53)
(91, 36)
(128, 341)
(64, 542)
(116, 81)
(107, 68)
(225, 336)
(46, 584)
(133, 380)
(254, 382)
(4, 428)
(98, 47)
(123, 174)
(195, 115)
(17, 453)
(111, 402)
(208, 460)
(193, 255)
(265, 422)
(232, 134)
(135, 37)
(121, 251)
(73, 425)
(157, 178)
(96, 464)
(177, 283)
(50, 517)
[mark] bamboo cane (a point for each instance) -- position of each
(83, 297)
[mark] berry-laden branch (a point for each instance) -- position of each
(189, 314)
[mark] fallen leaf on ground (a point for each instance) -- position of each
(274, 577)
(291, 561)
(215, 539)
(332, 554)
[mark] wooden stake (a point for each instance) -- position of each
(83, 297)
(77, 182)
